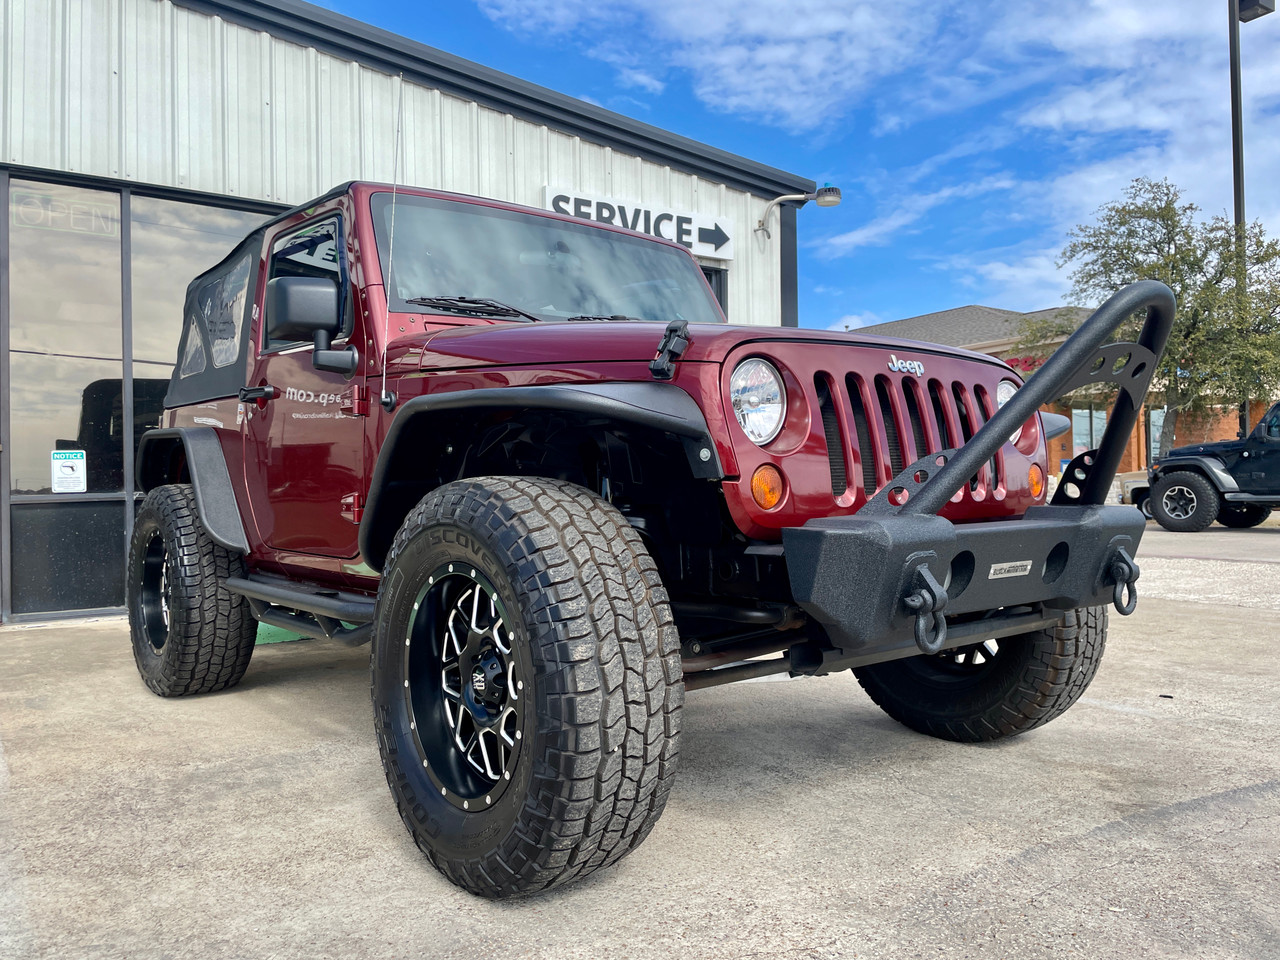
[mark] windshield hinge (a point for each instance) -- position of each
(352, 507)
(672, 347)
(356, 404)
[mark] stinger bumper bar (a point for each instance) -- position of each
(896, 579)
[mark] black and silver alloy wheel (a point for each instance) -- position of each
(1179, 502)
(964, 660)
(464, 681)
(526, 683)
(154, 595)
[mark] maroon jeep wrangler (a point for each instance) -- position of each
(526, 457)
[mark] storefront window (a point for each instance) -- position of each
(1087, 426)
(1155, 429)
(64, 258)
(65, 397)
(65, 336)
(60, 404)
(172, 244)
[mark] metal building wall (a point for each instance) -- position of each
(147, 91)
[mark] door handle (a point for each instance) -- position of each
(261, 394)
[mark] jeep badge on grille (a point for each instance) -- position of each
(906, 366)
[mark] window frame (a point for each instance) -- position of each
(280, 239)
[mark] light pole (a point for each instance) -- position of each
(1237, 11)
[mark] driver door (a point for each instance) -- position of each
(304, 447)
(1258, 469)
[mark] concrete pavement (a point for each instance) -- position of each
(1239, 568)
(256, 822)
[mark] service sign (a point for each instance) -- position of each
(68, 468)
(705, 236)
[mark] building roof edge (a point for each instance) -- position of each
(382, 50)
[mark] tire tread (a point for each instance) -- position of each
(211, 630)
(599, 616)
(1057, 666)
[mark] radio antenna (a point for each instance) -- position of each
(388, 400)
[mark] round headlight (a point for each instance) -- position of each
(759, 399)
(1004, 393)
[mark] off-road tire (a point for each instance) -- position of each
(190, 634)
(1029, 680)
(591, 633)
(1143, 503)
(1191, 497)
(1241, 516)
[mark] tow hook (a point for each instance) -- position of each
(927, 602)
(1124, 571)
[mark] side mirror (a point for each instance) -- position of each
(307, 308)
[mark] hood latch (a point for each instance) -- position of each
(674, 341)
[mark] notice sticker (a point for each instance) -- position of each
(1012, 568)
(69, 471)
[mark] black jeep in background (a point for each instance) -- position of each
(1236, 482)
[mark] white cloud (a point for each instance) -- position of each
(1022, 278)
(631, 77)
(799, 68)
(910, 209)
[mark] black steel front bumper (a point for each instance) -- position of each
(878, 586)
(896, 579)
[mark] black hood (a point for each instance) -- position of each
(1220, 449)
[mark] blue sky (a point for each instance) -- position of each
(968, 138)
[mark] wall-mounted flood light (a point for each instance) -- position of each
(824, 196)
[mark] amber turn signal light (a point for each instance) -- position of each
(1035, 480)
(766, 486)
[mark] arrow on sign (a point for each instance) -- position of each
(717, 237)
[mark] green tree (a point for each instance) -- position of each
(1225, 347)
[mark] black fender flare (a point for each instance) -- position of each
(659, 406)
(210, 478)
(1214, 470)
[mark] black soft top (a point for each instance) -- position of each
(216, 318)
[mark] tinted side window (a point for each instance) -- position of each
(314, 251)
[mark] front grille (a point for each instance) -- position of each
(897, 460)
(986, 410)
(945, 433)
(831, 428)
(911, 390)
(866, 449)
(895, 422)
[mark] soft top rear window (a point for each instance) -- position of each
(215, 329)
(214, 316)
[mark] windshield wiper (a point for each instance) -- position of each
(615, 316)
(477, 306)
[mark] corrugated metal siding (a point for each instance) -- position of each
(143, 90)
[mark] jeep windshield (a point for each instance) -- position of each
(448, 250)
